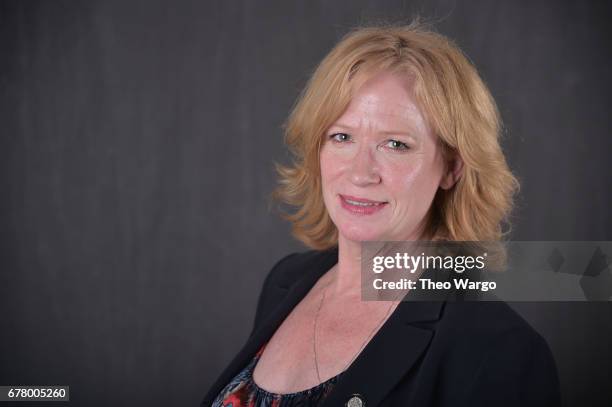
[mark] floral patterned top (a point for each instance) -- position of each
(242, 391)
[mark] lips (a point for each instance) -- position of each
(361, 206)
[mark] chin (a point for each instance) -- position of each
(360, 233)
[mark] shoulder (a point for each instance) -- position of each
(291, 267)
(490, 318)
(489, 326)
(286, 272)
(504, 355)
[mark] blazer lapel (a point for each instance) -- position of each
(391, 353)
(394, 350)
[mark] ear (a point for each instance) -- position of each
(454, 170)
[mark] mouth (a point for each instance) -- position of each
(361, 206)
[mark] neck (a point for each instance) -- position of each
(345, 276)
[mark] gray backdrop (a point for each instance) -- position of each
(136, 161)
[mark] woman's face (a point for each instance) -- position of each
(380, 164)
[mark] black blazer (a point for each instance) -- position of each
(439, 353)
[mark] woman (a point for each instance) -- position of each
(395, 138)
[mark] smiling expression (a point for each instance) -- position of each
(381, 164)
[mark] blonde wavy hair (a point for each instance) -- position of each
(454, 100)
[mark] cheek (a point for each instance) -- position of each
(402, 178)
(327, 174)
(413, 182)
(332, 166)
(325, 168)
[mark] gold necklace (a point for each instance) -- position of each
(363, 345)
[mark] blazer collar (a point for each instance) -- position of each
(392, 351)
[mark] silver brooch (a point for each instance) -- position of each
(355, 401)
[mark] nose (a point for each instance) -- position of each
(364, 169)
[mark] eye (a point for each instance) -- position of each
(340, 137)
(397, 145)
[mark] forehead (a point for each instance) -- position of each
(383, 99)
